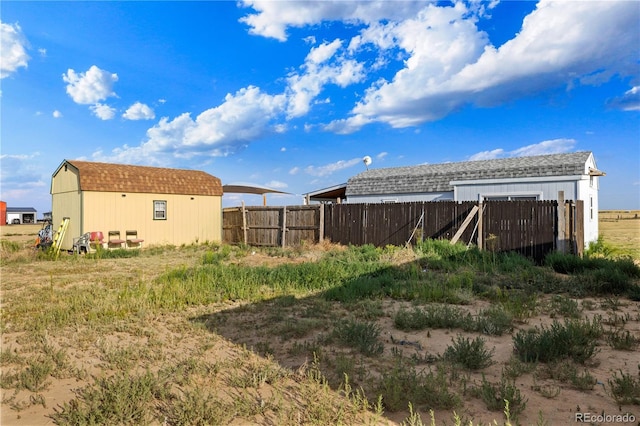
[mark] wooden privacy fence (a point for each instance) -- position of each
(273, 226)
(532, 228)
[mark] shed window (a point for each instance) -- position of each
(159, 210)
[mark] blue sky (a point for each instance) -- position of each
(292, 95)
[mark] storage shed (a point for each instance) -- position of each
(17, 215)
(521, 178)
(162, 205)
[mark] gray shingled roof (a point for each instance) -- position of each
(437, 177)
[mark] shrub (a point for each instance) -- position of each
(492, 321)
(596, 275)
(197, 407)
(622, 340)
(363, 336)
(634, 293)
(119, 399)
(495, 396)
(471, 354)
(564, 306)
(573, 339)
(625, 389)
(402, 385)
(433, 316)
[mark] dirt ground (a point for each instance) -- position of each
(226, 331)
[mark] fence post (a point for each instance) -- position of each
(480, 231)
(560, 233)
(284, 226)
(321, 223)
(424, 219)
(245, 237)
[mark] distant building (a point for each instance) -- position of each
(18, 215)
(522, 178)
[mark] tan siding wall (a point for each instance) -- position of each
(66, 201)
(188, 221)
(64, 205)
(65, 181)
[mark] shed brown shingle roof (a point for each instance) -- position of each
(107, 177)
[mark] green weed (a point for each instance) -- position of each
(492, 321)
(564, 306)
(471, 354)
(495, 396)
(623, 340)
(363, 336)
(7, 246)
(120, 399)
(197, 407)
(574, 339)
(402, 385)
(625, 389)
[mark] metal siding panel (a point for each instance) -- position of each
(549, 190)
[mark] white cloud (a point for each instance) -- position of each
(57, 114)
(487, 155)
(294, 170)
(218, 131)
(91, 87)
(43, 52)
(553, 146)
(332, 168)
(451, 63)
(13, 52)
(443, 62)
(630, 101)
(324, 52)
(322, 66)
(139, 111)
(103, 111)
(276, 184)
(273, 17)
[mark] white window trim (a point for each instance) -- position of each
(157, 210)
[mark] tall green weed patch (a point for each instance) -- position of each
(575, 339)
(596, 275)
